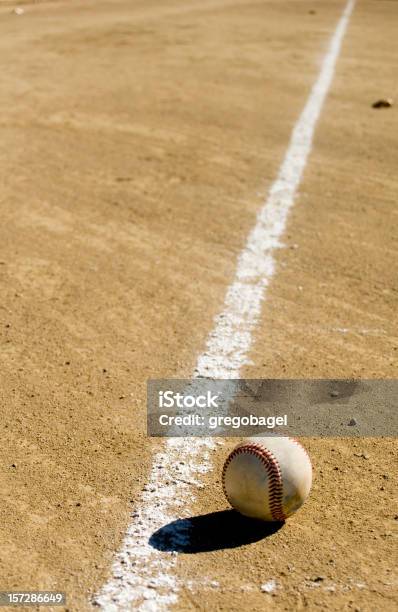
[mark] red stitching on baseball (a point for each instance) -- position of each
(274, 473)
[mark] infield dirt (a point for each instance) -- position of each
(138, 141)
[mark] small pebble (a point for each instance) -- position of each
(268, 587)
(362, 455)
(318, 579)
(383, 103)
(352, 423)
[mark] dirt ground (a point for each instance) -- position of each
(138, 140)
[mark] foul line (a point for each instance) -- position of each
(142, 578)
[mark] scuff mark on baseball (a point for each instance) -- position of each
(267, 478)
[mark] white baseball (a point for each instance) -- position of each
(267, 478)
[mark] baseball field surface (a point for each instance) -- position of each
(192, 188)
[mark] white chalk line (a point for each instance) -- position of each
(142, 577)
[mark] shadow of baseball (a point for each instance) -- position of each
(208, 532)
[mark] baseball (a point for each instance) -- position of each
(267, 478)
